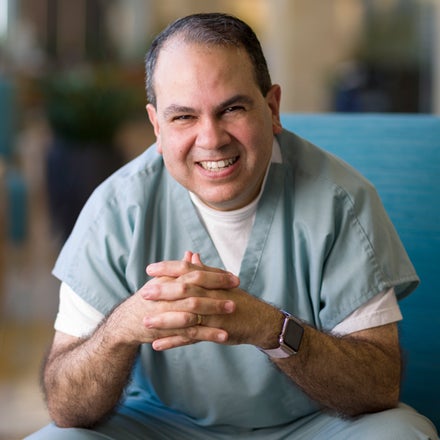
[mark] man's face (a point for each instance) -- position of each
(214, 127)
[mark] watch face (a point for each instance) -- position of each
(293, 334)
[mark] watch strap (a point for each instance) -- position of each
(277, 353)
(280, 352)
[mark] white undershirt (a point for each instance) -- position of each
(229, 231)
(78, 318)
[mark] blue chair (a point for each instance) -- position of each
(400, 155)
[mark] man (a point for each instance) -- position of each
(269, 305)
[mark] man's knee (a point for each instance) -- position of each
(52, 432)
(403, 423)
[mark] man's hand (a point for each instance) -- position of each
(247, 320)
(83, 378)
(350, 375)
(170, 306)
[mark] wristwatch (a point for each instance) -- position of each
(289, 339)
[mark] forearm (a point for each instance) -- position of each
(84, 382)
(348, 375)
(84, 379)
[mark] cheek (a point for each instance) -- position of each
(176, 159)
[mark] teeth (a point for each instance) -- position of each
(218, 165)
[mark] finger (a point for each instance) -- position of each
(171, 268)
(176, 268)
(183, 313)
(188, 256)
(196, 284)
(204, 276)
(190, 337)
(172, 342)
(171, 320)
(195, 259)
(170, 291)
(210, 279)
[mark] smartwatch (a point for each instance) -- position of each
(289, 339)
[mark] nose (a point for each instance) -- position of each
(211, 134)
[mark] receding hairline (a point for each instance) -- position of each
(174, 41)
(212, 29)
(177, 39)
(189, 37)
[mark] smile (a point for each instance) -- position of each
(218, 165)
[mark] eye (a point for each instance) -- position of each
(234, 108)
(182, 118)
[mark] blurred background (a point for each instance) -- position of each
(72, 111)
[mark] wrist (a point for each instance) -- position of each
(115, 330)
(270, 335)
(289, 339)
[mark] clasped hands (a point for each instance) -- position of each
(187, 302)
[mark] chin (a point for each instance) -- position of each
(227, 204)
(225, 201)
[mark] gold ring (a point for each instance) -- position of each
(199, 319)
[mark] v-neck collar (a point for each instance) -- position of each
(261, 227)
(259, 233)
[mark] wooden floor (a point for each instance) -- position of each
(22, 409)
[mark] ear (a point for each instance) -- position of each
(273, 99)
(152, 115)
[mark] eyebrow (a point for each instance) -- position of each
(175, 108)
(236, 99)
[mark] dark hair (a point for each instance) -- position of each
(216, 29)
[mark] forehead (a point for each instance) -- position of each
(185, 63)
(182, 40)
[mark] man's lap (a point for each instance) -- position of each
(400, 423)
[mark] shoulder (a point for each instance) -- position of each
(119, 205)
(310, 161)
(317, 173)
(148, 167)
(128, 186)
(110, 232)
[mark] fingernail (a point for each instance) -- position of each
(157, 346)
(221, 337)
(234, 278)
(150, 268)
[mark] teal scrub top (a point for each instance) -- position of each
(320, 247)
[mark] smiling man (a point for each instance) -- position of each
(260, 251)
(214, 126)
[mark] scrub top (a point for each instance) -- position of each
(321, 246)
